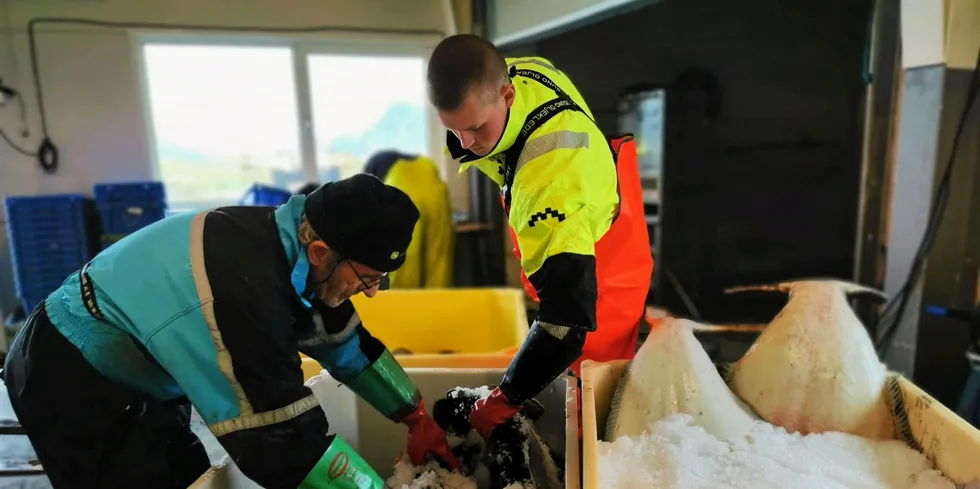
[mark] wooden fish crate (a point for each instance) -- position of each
(948, 441)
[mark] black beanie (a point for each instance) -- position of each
(363, 220)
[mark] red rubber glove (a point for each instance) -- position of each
(425, 436)
(491, 411)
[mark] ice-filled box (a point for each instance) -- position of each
(947, 441)
(380, 441)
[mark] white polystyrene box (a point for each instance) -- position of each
(380, 441)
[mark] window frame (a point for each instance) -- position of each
(302, 46)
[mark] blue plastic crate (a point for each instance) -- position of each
(48, 208)
(44, 277)
(38, 264)
(31, 302)
(45, 224)
(63, 257)
(34, 285)
(125, 217)
(126, 207)
(39, 220)
(34, 220)
(48, 241)
(48, 245)
(39, 271)
(45, 287)
(30, 298)
(37, 278)
(38, 282)
(65, 252)
(151, 192)
(111, 239)
(41, 229)
(259, 194)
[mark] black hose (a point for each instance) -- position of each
(47, 155)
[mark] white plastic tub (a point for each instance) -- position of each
(380, 441)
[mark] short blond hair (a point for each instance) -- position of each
(306, 233)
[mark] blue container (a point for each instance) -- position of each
(30, 297)
(44, 275)
(31, 301)
(106, 193)
(48, 242)
(40, 290)
(129, 207)
(259, 194)
(128, 217)
(111, 239)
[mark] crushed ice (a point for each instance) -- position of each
(677, 453)
(431, 476)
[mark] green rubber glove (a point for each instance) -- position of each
(387, 388)
(342, 468)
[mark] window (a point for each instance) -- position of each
(366, 104)
(223, 117)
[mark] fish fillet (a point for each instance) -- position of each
(672, 374)
(814, 369)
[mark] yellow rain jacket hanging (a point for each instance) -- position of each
(429, 260)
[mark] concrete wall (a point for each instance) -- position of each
(91, 85)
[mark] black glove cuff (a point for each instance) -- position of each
(543, 357)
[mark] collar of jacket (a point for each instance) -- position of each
(524, 103)
(288, 216)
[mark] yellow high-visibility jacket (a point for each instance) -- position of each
(429, 258)
(559, 191)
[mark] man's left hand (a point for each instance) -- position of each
(425, 437)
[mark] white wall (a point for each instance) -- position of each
(935, 33)
(91, 86)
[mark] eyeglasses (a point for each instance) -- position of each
(364, 284)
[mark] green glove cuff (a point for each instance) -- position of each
(387, 388)
(342, 468)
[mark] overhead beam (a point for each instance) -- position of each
(512, 22)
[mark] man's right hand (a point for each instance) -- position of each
(492, 411)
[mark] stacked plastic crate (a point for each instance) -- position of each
(260, 195)
(49, 241)
(128, 207)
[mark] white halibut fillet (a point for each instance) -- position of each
(672, 374)
(814, 368)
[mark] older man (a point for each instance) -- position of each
(209, 310)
